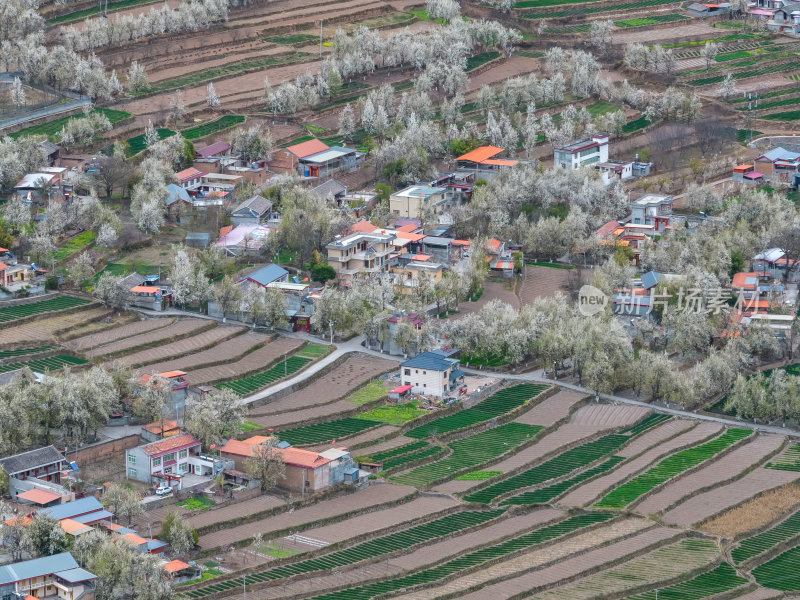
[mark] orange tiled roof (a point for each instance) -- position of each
(308, 148)
(174, 566)
(177, 441)
(404, 235)
(408, 228)
(303, 458)
(38, 496)
(71, 526)
(362, 227)
(189, 173)
(480, 154)
(136, 539)
(156, 428)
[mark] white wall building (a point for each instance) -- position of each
(431, 373)
(582, 153)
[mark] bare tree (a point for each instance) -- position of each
(266, 464)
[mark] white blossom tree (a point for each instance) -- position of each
(137, 78)
(17, 93)
(212, 100)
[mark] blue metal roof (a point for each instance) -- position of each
(37, 568)
(445, 353)
(266, 275)
(69, 510)
(650, 279)
(456, 373)
(76, 575)
(155, 545)
(92, 517)
(428, 360)
(781, 154)
(175, 193)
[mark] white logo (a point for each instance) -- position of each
(591, 300)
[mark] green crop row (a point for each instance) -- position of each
(789, 115)
(495, 405)
(79, 15)
(775, 103)
(51, 128)
(766, 70)
(545, 494)
(23, 351)
(598, 9)
(789, 460)
(213, 127)
(250, 384)
(43, 365)
(19, 311)
(76, 244)
(471, 451)
(430, 452)
(669, 468)
(479, 557)
(371, 549)
(473, 62)
(718, 580)
(761, 542)
(325, 432)
(405, 449)
(782, 572)
(566, 462)
(654, 20)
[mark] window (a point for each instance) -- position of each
(407, 372)
(424, 372)
(182, 454)
(168, 470)
(169, 457)
(416, 371)
(424, 385)
(131, 472)
(183, 467)
(156, 462)
(131, 459)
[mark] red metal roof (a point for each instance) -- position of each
(421, 257)
(189, 174)
(408, 228)
(308, 148)
(401, 389)
(499, 162)
(362, 227)
(211, 150)
(38, 496)
(145, 289)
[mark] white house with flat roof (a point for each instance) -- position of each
(652, 209)
(410, 201)
(582, 153)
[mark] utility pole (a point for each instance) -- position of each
(320, 38)
(284, 365)
(330, 323)
(244, 587)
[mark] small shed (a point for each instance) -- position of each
(197, 240)
(400, 392)
(753, 177)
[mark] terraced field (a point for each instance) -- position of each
(179, 328)
(782, 572)
(111, 334)
(190, 345)
(566, 462)
(470, 452)
(20, 311)
(7, 354)
(762, 542)
(46, 328)
(495, 405)
(253, 383)
(669, 468)
(42, 365)
(720, 579)
(788, 460)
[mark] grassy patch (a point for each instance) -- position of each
(478, 475)
(286, 256)
(213, 127)
(313, 351)
(197, 503)
(272, 549)
(393, 414)
(326, 432)
(741, 135)
(51, 128)
(635, 125)
(481, 360)
(248, 425)
(473, 62)
(602, 107)
(654, 20)
(76, 244)
(374, 390)
(294, 38)
(137, 143)
(787, 115)
(232, 69)
(550, 265)
(19, 311)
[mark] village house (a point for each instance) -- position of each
(360, 252)
(56, 576)
(746, 174)
(582, 153)
(44, 464)
(87, 511)
(652, 209)
(265, 275)
(299, 305)
(410, 269)
(410, 202)
(158, 430)
(484, 158)
(242, 239)
(431, 373)
(614, 170)
(40, 187)
(305, 470)
(253, 211)
(778, 164)
(708, 10)
(786, 19)
(212, 153)
(331, 192)
(774, 264)
(166, 459)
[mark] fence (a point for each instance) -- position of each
(102, 450)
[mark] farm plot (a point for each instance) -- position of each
(368, 550)
(542, 282)
(325, 432)
(727, 467)
(252, 383)
(179, 328)
(337, 383)
(470, 452)
(576, 12)
(701, 507)
(782, 572)
(495, 405)
(229, 350)
(755, 514)
(659, 565)
(118, 333)
(138, 143)
(652, 20)
(644, 457)
(399, 451)
(43, 365)
(47, 329)
(668, 468)
(20, 311)
(566, 462)
(398, 461)
(760, 543)
(6, 354)
(765, 70)
(472, 559)
(574, 545)
(720, 579)
(546, 494)
(788, 460)
(79, 242)
(573, 566)
(247, 364)
(205, 129)
(51, 128)
(204, 339)
(551, 410)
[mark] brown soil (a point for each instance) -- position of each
(110, 334)
(362, 500)
(185, 346)
(229, 348)
(721, 470)
(542, 282)
(492, 290)
(164, 333)
(756, 513)
(645, 35)
(258, 359)
(348, 376)
(362, 438)
(552, 409)
(717, 500)
(41, 330)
